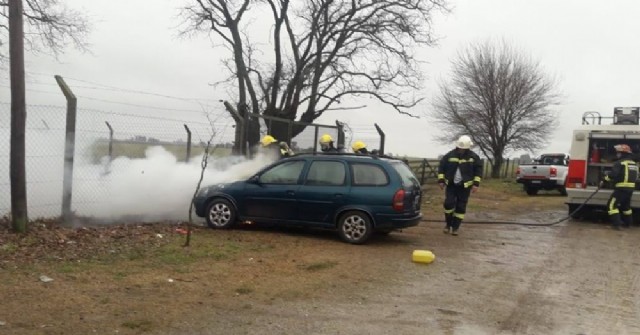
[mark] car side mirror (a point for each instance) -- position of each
(254, 180)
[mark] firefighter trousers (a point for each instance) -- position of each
(455, 204)
(620, 203)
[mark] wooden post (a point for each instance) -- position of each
(340, 133)
(382, 136)
(424, 167)
(188, 143)
(17, 165)
(110, 141)
(69, 148)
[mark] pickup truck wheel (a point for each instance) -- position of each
(531, 190)
(563, 191)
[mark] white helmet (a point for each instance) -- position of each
(464, 142)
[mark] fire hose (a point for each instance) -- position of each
(528, 223)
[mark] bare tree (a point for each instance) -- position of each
(323, 51)
(49, 26)
(501, 98)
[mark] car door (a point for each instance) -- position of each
(272, 194)
(323, 191)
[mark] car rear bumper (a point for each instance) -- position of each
(393, 221)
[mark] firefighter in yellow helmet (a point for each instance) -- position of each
(327, 146)
(460, 171)
(360, 147)
(282, 149)
(623, 176)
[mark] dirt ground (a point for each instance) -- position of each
(571, 278)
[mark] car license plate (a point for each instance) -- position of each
(535, 182)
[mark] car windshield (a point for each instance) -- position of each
(408, 178)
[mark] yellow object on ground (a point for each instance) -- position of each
(423, 256)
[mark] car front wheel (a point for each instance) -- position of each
(221, 214)
(354, 227)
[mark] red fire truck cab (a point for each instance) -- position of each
(593, 154)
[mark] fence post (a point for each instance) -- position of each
(69, 148)
(340, 133)
(188, 143)
(382, 136)
(110, 141)
(315, 139)
(424, 168)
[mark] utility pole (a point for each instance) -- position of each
(17, 168)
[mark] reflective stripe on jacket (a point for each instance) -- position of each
(624, 173)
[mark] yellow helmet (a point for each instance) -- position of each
(357, 145)
(268, 139)
(326, 138)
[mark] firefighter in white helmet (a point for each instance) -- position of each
(623, 176)
(460, 173)
(282, 149)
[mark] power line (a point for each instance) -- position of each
(119, 89)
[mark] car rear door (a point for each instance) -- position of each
(323, 191)
(272, 196)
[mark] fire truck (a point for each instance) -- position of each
(593, 154)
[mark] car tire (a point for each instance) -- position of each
(354, 227)
(221, 214)
(531, 190)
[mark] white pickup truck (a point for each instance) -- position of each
(547, 172)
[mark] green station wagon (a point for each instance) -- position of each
(356, 195)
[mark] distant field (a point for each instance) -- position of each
(133, 149)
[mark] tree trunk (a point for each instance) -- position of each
(497, 166)
(18, 176)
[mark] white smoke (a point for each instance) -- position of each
(157, 187)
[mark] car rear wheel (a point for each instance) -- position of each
(221, 214)
(354, 227)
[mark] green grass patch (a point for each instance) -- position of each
(244, 290)
(140, 325)
(318, 266)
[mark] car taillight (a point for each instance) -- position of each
(398, 201)
(553, 172)
(518, 171)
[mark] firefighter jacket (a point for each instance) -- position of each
(469, 164)
(624, 173)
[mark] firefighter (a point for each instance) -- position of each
(326, 145)
(623, 176)
(360, 147)
(282, 149)
(460, 173)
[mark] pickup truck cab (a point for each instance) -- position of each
(547, 172)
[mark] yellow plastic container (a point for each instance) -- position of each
(423, 256)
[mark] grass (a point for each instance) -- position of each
(317, 266)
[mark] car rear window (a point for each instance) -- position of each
(369, 175)
(326, 173)
(408, 178)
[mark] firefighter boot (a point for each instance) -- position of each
(616, 222)
(449, 219)
(626, 221)
(455, 224)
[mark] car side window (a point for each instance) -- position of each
(369, 175)
(326, 173)
(285, 173)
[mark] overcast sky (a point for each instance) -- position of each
(590, 46)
